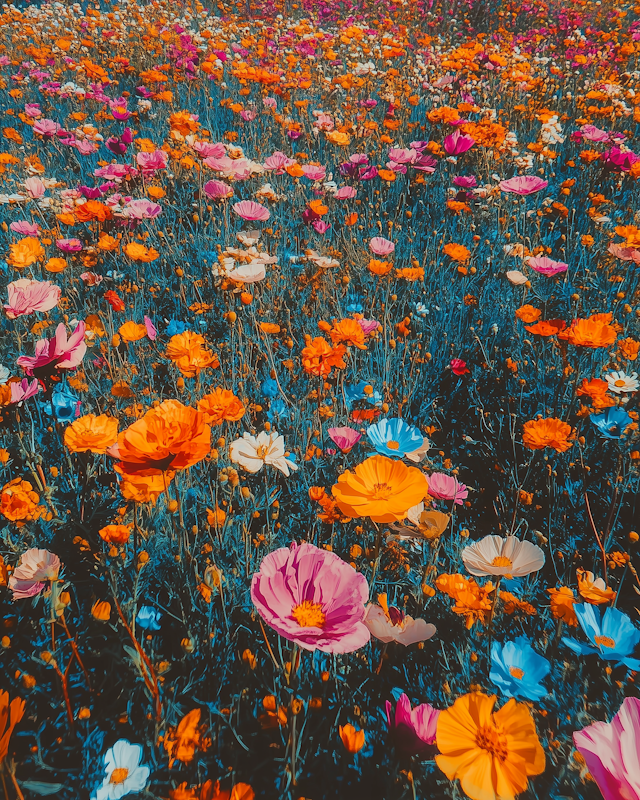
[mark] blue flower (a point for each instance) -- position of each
(516, 669)
(614, 637)
(64, 404)
(394, 437)
(277, 409)
(269, 388)
(612, 422)
(175, 326)
(355, 391)
(148, 618)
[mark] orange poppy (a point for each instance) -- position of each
(348, 331)
(629, 348)
(528, 313)
(107, 243)
(93, 209)
(188, 354)
(551, 432)
(91, 434)
(10, 715)
(116, 534)
(547, 327)
(562, 603)
(473, 602)
(594, 590)
(181, 742)
(220, 405)
(19, 503)
(56, 265)
(377, 267)
(132, 331)
(138, 252)
(596, 331)
(596, 389)
(457, 252)
(25, 252)
(318, 357)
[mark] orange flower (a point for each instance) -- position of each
(596, 331)
(132, 331)
(143, 488)
(511, 604)
(91, 434)
(411, 274)
(547, 327)
(596, 389)
(380, 488)
(269, 327)
(550, 432)
(377, 267)
(594, 590)
(183, 122)
(19, 503)
(629, 348)
(318, 357)
(457, 252)
(187, 352)
(10, 715)
(93, 209)
(528, 313)
(318, 207)
(351, 219)
(182, 742)
(101, 610)
(25, 252)
(352, 738)
(348, 331)
(169, 437)
(107, 243)
(138, 252)
(219, 405)
(562, 603)
(212, 791)
(387, 175)
(216, 518)
(56, 265)
(116, 534)
(473, 602)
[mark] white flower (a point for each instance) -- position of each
(516, 277)
(419, 453)
(124, 773)
(388, 624)
(510, 557)
(4, 374)
(620, 382)
(253, 452)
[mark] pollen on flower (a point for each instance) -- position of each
(605, 641)
(501, 561)
(493, 739)
(516, 672)
(119, 775)
(309, 615)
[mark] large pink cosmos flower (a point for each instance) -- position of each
(456, 143)
(25, 228)
(381, 246)
(217, 189)
(249, 210)
(612, 752)
(35, 569)
(314, 173)
(209, 149)
(151, 162)
(141, 209)
(624, 253)
(345, 438)
(278, 162)
(446, 487)
(413, 729)
(57, 353)
(312, 597)
(524, 184)
(27, 297)
(345, 193)
(547, 266)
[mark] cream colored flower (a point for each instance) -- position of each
(253, 452)
(510, 557)
(389, 624)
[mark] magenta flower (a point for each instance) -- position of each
(250, 210)
(345, 438)
(381, 246)
(547, 266)
(46, 127)
(27, 297)
(25, 228)
(320, 225)
(217, 190)
(446, 487)
(345, 193)
(312, 597)
(612, 752)
(465, 181)
(36, 568)
(523, 184)
(152, 331)
(23, 390)
(592, 134)
(69, 245)
(56, 353)
(314, 173)
(151, 162)
(413, 730)
(369, 326)
(459, 367)
(457, 143)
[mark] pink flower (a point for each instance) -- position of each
(85, 147)
(27, 296)
(593, 134)
(23, 390)
(320, 225)
(465, 181)
(402, 156)
(624, 253)
(446, 487)
(69, 245)
(36, 568)
(57, 353)
(248, 114)
(381, 246)
(35, 187)
(46, 127)
(217, 190)
(547, 266)
(312, 597)
(345, 193)
(314, 173)
(612, 752)
(25, 228)
(151, 162)
(345, 438)
(369, 325)
(91, 278)
(250, 210)
(523, 184)
(413, 730)
(152, 331)
(456, 143)
(32, 110)
(278, 162)
(141, 209)
(459, 367)
(209, 149)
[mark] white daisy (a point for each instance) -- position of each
(123, 771)
(620, 382)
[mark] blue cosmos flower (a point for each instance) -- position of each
(176, 326)
(64, 405)
(269, 388)
(614, 637)
(148, 618)
(355, 391)
(612, 422)
(516, 669)
(394, 437)
(278, 409)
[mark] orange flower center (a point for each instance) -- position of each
(119, 775)
(501, 561)
(493, 740)
(381, 491)
(605, 641)
(516, 672)
(393, 445)
(262, 451)
(308, 614)
(619, 383)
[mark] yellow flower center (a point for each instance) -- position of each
(393, 445)
(619, 383)
(516, 672)
(308, 614)
(501, 561)
(493, 740)
(381, 491)
(119, 775)
(605, 641)
(262, 451)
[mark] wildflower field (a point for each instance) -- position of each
(319, 450)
